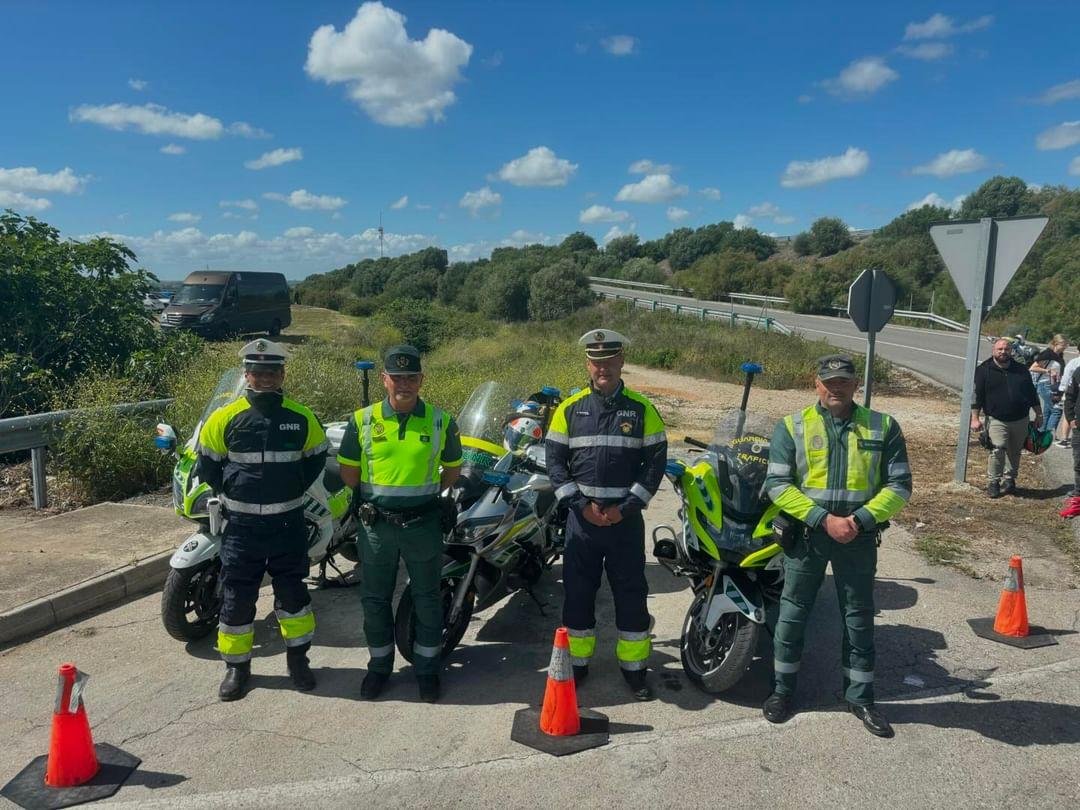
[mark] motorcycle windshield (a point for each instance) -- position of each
(230, 386)
(483, 418)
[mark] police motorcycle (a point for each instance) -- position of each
(505, 527)
(726, 546)
(192, 597)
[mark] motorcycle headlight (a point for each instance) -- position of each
(207, 316)
(477, 532)
(201, 505)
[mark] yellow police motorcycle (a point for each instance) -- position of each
(725, 547)
(192, 596)
(506, 528)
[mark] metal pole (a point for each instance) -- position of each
(868, 379)
(978, 287)
(37, 468)
(932, 294)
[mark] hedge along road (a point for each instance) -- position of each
(938, 354)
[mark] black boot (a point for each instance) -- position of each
(638, 684)
(873, 719)
(581, 672)
(777, 708)
(429, 687)
(235, 681)
(373, 685)
(299, 669)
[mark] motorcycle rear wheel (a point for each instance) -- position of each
(191, 601)
(405, 619)
(716, 661)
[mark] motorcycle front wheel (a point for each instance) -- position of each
(716, 661)
(405, 619)
(191, 601)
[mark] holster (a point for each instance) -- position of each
(788, 532)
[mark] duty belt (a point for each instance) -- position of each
(370, 514)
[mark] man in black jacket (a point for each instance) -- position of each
(1072, 503)
(1005, 394)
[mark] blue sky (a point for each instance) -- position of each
(271, 135)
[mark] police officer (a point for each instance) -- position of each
(401, 452)
(606, 451)
(261, 452)
(842, 470)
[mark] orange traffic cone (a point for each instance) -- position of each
(559, 715)
(1012, 618)
(72, 760)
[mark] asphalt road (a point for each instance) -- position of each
(938, 354)
(978, 724)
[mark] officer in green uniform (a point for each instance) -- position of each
(842, 471)
(400, 453)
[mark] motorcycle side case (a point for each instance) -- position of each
(197, 549)
(730, 599)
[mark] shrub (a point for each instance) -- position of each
(558, 290)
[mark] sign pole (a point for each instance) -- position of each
(978, 290)
(869, 377)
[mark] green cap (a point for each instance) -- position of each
(832, 366)
(402, 360)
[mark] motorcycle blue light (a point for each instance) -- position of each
(496, 479)
(674, 468)
(163, 443)
(364, 365)
(750, 367)
(550, 391)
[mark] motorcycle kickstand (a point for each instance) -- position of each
(323, 581)
(534, 597)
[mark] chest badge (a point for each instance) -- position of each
(818, 443)
(626, 427)
(425, 438)
(378, 429)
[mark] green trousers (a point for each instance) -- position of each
(420, 545)
(853, 567)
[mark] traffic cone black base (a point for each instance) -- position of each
(28, 788)
(1037, 636)
(593, 734)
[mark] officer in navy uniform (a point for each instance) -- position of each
(606, 451)
(260, 453)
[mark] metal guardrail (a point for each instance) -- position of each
(37, 431)
(703, 313)
(930, 316)
(640, 285)
(759, 299)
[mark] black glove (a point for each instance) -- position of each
(447, 514)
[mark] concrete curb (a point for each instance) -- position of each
(42, 615)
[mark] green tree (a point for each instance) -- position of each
(643, 270)
(999, 197)
(714, 276)
(916, 222)
(830, 235)
(802, 244)
(557, 290)
(578, 242)
(505, 295)
(68, 307)
(623, 248)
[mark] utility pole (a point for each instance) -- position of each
(380, 236)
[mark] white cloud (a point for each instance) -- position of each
(1074, 166)
(937, 200)
(676, 214)
(149, 119)
(304, 200)
(28, 178)
(245, 130)
(1060, 137)
(938, 26)
(138, 84)
(299, 233)
(620, 44)
(397, 81)
(173, 149)
(400, 203)
(538, 167)
(955, 161)
(421, 206)
(927, 51)
(742, 221)
(185, 217)
(653, 188)
(523, 237)
(710, 193)
(861, 78)
(648, 167)
(18, 200)
(601, 213)
(805, 98)
(475, 201)
(801, 173)
(768, 210)
(614, 232)
(247, 205)
(1066, 91)
(276, 157)
(493, 61)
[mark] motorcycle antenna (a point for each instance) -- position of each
(380, 235)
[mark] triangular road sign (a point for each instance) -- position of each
(1013, 240)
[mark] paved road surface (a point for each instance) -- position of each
(979, 724)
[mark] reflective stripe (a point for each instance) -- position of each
(633, 636)
(603, 492)
(899, 468)
(653, 438)
(582, 645)
(436, 447)
(604, 441)
(296, 628)
(367, 489)
(381, 652)
(426, 652)
(580, 661)
(558, 437)
(641, 492)
(777, 491)
(262, 508)
(633, 648)
(203, 450)
(632, 666)
(785, 667)
(269, 456)
(776, 468)
(299, 640)
(236, 629)
(365, 434)
(566, 490)
(859, 676)
(236, 658)
(235, 646)
(319, 448)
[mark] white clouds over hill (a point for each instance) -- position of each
(538, 167)
(304, 200)
(955, 161)
(19, 185)
(396, 80)
(802, 173)
(653, 188)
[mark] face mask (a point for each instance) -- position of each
(264, 400)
